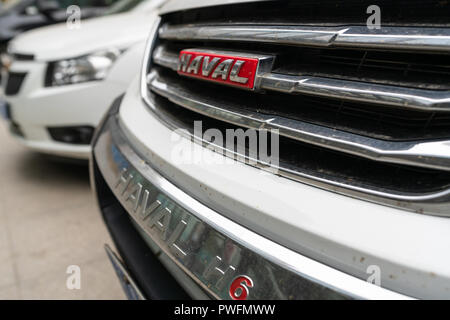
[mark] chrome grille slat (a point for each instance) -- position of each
(165, 58)
(426, 154)
(406, 98)
(429, 39)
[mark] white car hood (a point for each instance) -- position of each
(178, 5)
(59, 42)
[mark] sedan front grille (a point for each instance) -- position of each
(361, 112)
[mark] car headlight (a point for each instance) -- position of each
(91, 67)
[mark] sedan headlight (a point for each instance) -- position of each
(86, 68)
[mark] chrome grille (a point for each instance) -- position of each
(376, 103)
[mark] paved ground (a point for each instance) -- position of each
(48, 221)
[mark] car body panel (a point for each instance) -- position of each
(94, 35)
(177, 5)
(348, 234)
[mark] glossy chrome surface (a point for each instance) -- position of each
(210, 248)
(429, 39)
(423, 154)
(166, 58)
(400, 97)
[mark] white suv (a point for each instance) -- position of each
(354, 199)
(62, 79)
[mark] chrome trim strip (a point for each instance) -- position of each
(148, 58)
(405, 38)
(400, 97)
(166, 58)
(124, 170)
(434, 154)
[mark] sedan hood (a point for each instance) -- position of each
(178, 5)
(59, 42)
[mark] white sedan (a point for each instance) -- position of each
(61, 80)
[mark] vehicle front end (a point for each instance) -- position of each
(351, 202)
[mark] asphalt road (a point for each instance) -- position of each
(48, 222)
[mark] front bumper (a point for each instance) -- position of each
(54, 148)
(221, 257)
